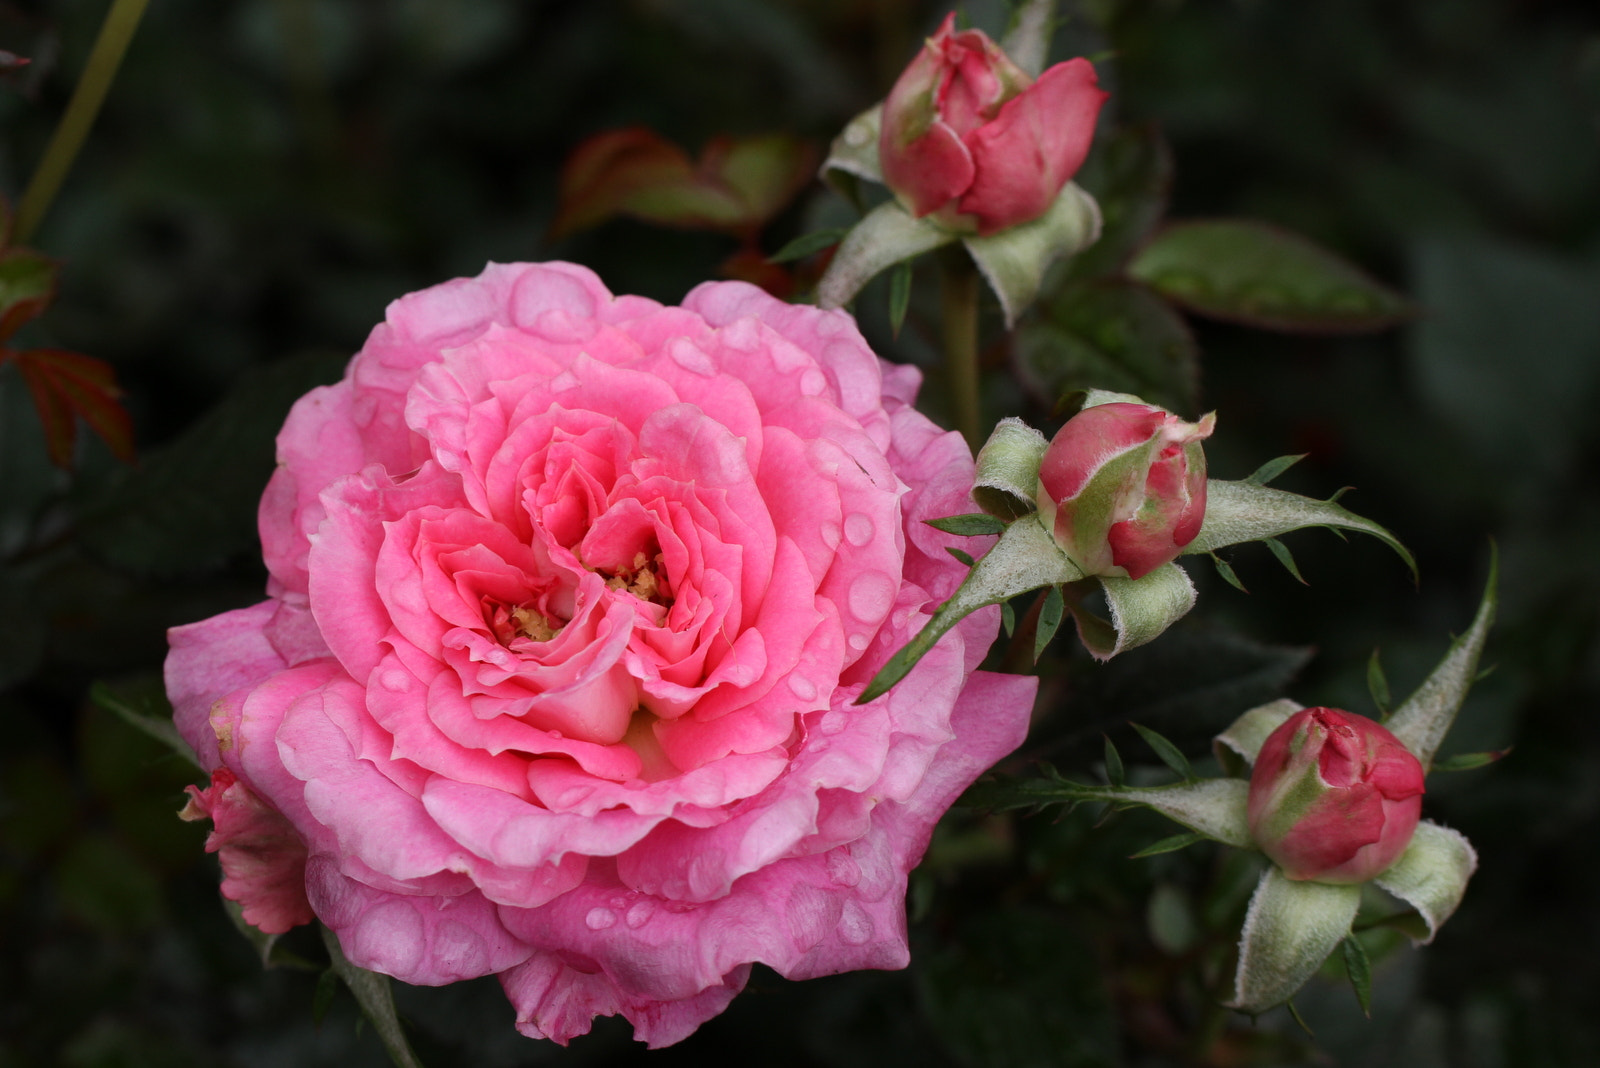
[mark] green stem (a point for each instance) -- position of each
(959, 296)
(104, 59)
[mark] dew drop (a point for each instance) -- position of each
(859, 641)
(396, 680)
(858, 529)
(802, 687)
(833, 722)
(813, 382)
(599, 919)
(871, 596)
(857, 134)
(843, 869)
(639, 912)
(830, 535)
(855, 926)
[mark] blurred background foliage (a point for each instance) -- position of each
(267, 174)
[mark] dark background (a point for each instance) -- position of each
(268, 174)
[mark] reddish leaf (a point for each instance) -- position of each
(750, 264)
(66, 384)
(27, 286)
(736, 187)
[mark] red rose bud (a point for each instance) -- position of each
(1334, 797)
(969, 135)
(1123, 485)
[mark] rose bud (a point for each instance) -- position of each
(1334, 797)
(1123, 486)
(969, 135)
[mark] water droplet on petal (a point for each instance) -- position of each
(842, 868)
(859, 641)
(396, 680)
(813, 382)
(830, 535)
(833, 723)
(599, 919)
(858, 529)
(871, 596)
(855, 926)
(639, 912)
(802, 687)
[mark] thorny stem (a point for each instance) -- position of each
(104, 59)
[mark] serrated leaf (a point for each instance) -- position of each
(1273, 468)
(1421, 723)
(1050, 613)
(1264, 276)
(807, 244)
(1281, 551)
(1109, 334)
(1116, 775)
(372, 991)
(960, 554)
(1244, 511)
(1025, 558)
(1289, 930)
(1168, 845)
(158, 727)
(970, 525)
(899, 295)
(1378, 683)
(1229, 576)
(1470, 761)
(1359, 969)
(1170, 754)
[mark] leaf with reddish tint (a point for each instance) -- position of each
(1263, 276)
(27, 286)
(68, 385)
(737, 186)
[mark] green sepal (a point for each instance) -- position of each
(1225, 570)
(1289, 930)
(1013, 261)
(961, 555)
(887, 235)
(806, 244)
(1281, 551)
(899, 296)
(1170, 754)
(372, 991)
(1273, 468)
(1007, 479)
(1469, 761)
(1169, 845)
(1008, 618)
(855, 150)
(1027, 41)
(1214, 808)
(1422, 721)
(1140, 610)
(1431, 875)
(1050, 614)
(1246, 511)
(160, 728)
(322, 997)
(1378, 684)
(1116, 775)
(1025, 558)
(1237, 747)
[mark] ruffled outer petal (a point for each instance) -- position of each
(528, 500)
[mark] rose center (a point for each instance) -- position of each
(643, 579)
(529, 622)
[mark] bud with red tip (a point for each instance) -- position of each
(1334, 797)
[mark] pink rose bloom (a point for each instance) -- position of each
(571, 598)
(1334, 797)
(1123, 486)
(967, 134)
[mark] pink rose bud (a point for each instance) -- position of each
(1334, 797)
(971, 136)
(1123, 485)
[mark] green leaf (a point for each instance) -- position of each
(887, 235)
(1289, 930)
(1359, 969)
(1227, 572)
(1469, 761)
(1007, 478)
(899, 296)
(1431, 875)
(1214, 808)
(1273, 468)
(377, 1002)
(27, 286)
(1013, 261)
(322, 997)
(1050, 614)
(1263, 276)
(1130, 174)
(1281, 551)
(1008, 618)
(1025, 558)
(1170, 754)
(1115, 773)
(1244, 511)
(1378, 683)
(960, 554)
(158, 727)
(1109, 334)
(1168, 845)
(1421, 723)
(191, 506)
(970, 525)
(806, 244)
